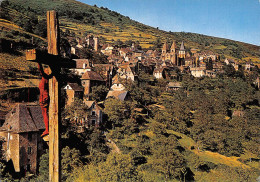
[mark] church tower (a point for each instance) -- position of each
(165, 48)
(173, 53)
(182, 51)
(173, 47)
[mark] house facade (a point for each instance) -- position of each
(22, 134)
(73, 90)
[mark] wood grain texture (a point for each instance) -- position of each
(54, 91)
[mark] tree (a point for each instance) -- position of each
(77, 111)
(166, 159)
(98, 93)
(97, 147)
(115, 109)
(44, 167)
(70, 161)
(118, 167)
(229, 70)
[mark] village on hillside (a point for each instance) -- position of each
(22, 126)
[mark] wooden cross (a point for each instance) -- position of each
(55, 63)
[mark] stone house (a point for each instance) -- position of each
(95, 117)
(89, 79)
(82, 65)
(106, 71)
(22, 131)
(198, 72)
(125, 72)
(159, 73)
(109, 50)
(116, 84)
(173, 86)
(211, 73)
(249, 66)
(73, 90)
(190, 61)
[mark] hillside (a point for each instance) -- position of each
(190, 134)
(78, 19)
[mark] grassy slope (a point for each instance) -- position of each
(191, 155)
(12, 63)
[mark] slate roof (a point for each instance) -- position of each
(121, 95)
(24, 118)
(76, 87)
(91, 75)
(80, 62)
(173, 45)
(182, 46)
(89, 103)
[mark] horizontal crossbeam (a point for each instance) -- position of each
(49, 59)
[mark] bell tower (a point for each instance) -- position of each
(165, 48)
(173, 53)
(182, 51)
(173, 47)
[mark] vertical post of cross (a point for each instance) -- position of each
(54, 92)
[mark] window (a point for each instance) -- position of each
(93, 113)
(93, 121)
(30, 137)
(29, 151)
(28, 166)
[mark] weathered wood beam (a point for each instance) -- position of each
(54, 108)
(49, 59)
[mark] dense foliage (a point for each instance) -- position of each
(179, 135)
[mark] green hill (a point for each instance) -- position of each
(78, 19)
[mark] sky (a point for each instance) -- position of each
(233, 19)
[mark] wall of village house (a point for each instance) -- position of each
(95, 114)
(28, 151)
(79, 71)
(86, 85)
(11, 149)
(198, 73)
(70, 96)
(118, 86)
(158, 75)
